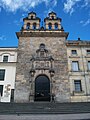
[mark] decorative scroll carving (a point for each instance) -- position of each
(42, 59)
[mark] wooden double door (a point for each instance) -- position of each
(42, 88)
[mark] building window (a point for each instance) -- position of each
(89, 65)
(1, 90)
(5, 58)
(78, 86)
(88, 51)
(75, 66)
(56, 26)
(74, 52)
(2, 74)
(49, 26)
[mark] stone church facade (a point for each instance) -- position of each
(42, 52)
(48, 66)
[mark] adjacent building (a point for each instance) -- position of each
(78, 53)
(8, 59)
(45, 66)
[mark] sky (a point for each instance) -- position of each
(75, 16)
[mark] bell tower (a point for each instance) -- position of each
(52, 22)
(42, 65)
(32, 22)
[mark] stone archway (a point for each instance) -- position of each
(42, 88)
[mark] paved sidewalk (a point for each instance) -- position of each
(47, 117)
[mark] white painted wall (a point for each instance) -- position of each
(10, 72)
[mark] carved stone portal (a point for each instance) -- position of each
(42, 64)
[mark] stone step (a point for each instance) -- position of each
(44, 108)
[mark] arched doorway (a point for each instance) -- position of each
(42, 88)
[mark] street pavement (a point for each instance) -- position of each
(47, 117)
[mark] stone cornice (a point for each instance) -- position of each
(8, 64)
(8, 49)
(77, 43)
(42, 34)
(47, 18)
(31, 19)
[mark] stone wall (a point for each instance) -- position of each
(57, 49)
